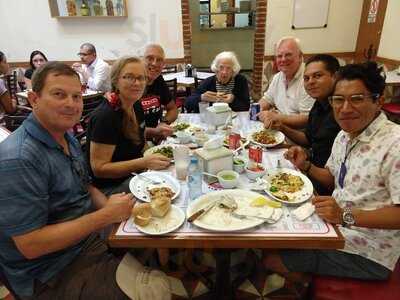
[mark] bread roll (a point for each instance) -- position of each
(160, 206)
(142, 214)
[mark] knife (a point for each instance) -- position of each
(202, 211)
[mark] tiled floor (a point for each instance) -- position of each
(247, 274)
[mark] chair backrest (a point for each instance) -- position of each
(89, 105)
(12, 84)
(197, 82)
(12, 122)
(173, 87)
(169, 69)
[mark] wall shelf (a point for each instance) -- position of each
(71, 9)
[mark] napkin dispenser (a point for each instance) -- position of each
(218, 117)
(214, 160)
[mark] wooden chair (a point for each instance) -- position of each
(12, 84)
(197, 82)
(169, 69)
(173, 87)
(13, 121)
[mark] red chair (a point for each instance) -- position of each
(392, 110)
(334, 288)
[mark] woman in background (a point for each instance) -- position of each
(37, 59)
(227, 85)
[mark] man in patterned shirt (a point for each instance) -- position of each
(364, 169)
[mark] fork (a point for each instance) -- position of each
(153, 181)
(241, 217)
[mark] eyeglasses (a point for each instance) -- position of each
(132, 78)
(153, 59)
(355, 100)
(83, 54)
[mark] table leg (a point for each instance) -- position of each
(223, 281)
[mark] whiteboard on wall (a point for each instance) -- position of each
(310, 13)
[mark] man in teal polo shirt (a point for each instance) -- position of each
(49, 212)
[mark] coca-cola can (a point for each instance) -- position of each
(254, 110)
(234, 141)
(255, 153)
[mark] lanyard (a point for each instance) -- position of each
(343, 168)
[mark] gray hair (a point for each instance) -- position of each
(158, 46)
(289, 38)
(90, 47)
(226, 55)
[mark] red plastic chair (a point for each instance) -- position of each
(335, 288)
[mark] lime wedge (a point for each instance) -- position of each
(261, 201)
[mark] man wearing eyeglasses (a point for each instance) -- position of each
(364, 169)
(286, 99)
(322, 128)
(157, 96)
(94, 72)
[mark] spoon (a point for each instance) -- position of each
(145, 178)
(209, 174)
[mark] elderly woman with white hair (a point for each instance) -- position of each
(227, 85)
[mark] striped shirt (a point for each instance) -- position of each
(225, 88)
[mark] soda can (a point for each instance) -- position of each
(254, 110)
(255, 153)
(234, 141)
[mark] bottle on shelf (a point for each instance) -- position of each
(97, 8)
(110, 8)
(195, 180)
(85, 10)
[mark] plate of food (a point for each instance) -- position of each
(151, 224)
(190, 128)
(143, 186)
(288, 186)
(166, 150)
(219, 218)
(267, 137)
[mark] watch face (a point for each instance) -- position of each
(348, 218)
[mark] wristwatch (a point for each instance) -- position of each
(348, 217)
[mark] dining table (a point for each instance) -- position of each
(87, 94)
(182, 80)
(287, 233)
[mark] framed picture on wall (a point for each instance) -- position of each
(87, 8)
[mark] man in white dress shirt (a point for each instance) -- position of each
(286, 99)
(94, 72)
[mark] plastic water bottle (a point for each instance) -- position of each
(195, 181)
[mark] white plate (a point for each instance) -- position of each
(279, 136)
(139, 186)
(170, 222)
(191, 129)
(152, 149)
(298, 197)
(219, 219)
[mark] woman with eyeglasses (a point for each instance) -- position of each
(226, 86)
(116, 131)
(36, 59)
(7, 105)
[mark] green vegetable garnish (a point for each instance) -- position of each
(273, 189)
